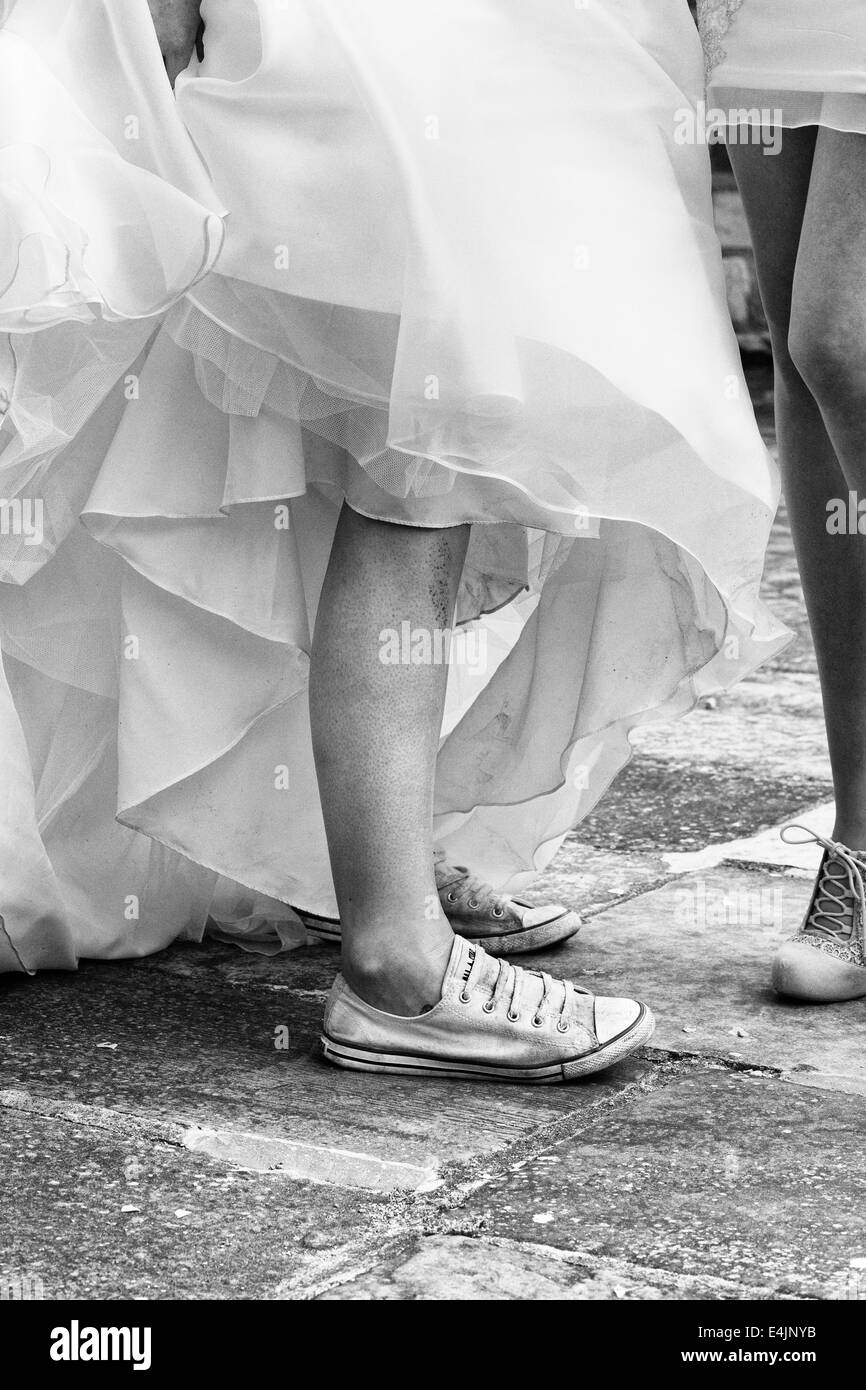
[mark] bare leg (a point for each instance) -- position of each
(807, 212)
(376, 733)
(828, 342)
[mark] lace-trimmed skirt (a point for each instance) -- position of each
(802, 60)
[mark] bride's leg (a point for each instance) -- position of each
(375, 734)
(807, 212)
(376, 731)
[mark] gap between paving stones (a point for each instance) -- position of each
(581, 1262)
(398, 1216)
(261, 1153)
(640, 890)
(407, 1216)
(446, 1180)
(745, 866)
(403, 1216)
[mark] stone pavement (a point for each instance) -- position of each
(158, 1139)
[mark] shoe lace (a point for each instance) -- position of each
(832, 909)
(512, 980)
(465, 887)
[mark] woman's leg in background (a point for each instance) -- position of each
(806, 208)
(376, 728)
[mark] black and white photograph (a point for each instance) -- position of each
(432, 690)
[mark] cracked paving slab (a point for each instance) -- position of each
(745, 1183)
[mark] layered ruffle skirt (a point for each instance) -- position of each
(447, 263)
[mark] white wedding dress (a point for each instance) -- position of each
(805, 59)
(445, 261)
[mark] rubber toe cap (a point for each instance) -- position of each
(801, 971)
(614, 1016)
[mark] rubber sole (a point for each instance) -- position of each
(325, 928)
(501, 944)
(514, 943)
(355, 1058)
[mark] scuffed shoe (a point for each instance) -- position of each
(503, 926)
(494, 1021)
(826, 961)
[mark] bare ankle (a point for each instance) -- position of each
(397, 981)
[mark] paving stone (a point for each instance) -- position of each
(657, 806)
(772, 723)
(184, 1039)
(747, 1180)
(698, 951)
(92, 1216)
(767, 847)
(454, 1267)
(586, 879)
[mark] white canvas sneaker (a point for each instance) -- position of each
(494, 1021)
(504, 926)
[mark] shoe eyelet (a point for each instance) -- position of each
(537, 1022)
(562, 1027)
(498, 912)
(513, 1018)
(464, 997)
(473, 902)
(488, 1007)
(452, 897)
